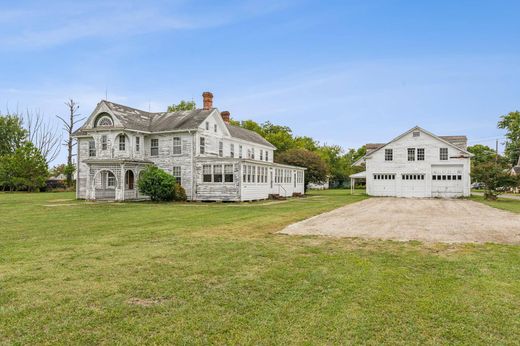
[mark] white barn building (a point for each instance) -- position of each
(212, 159)
(418, 164)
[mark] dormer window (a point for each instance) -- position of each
(122, 143)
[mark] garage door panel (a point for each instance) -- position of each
(447, 181)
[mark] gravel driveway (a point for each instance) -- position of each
(403, 219)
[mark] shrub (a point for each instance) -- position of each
(157, 184)
(179, 193)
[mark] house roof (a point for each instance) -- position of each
(139, 120)
(458, 142)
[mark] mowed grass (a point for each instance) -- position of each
(140, 273)
(503, 203)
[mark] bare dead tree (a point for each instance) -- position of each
(43, 134)
(68, 127)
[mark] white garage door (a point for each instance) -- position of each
(447, 181)
(383, 184)
(413, 185)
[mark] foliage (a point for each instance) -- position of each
(25, 169)
(57, 170)
(182, 106)
(482, 153)
(496, 177)
(511, 123)
(317, 170)
(12, 134)
(157, 184)
(179, 193)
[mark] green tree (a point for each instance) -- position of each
(306, 142)
(24, 169)
(336, 161)
(496, 177)
(511, 123)
(12, 134)
(157, 184)
(182, 106)
(482, 153)
(317, 170)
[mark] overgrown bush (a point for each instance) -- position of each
(157, 184)
(179, 193)
(160, 186)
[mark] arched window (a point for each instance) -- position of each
(104, 120)
(129, 180)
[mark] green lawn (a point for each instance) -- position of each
(78, 273)
(502, 203)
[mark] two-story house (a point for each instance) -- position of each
(418, 164)
(209, 157)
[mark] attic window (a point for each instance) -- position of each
(416, 133)
(104, 120)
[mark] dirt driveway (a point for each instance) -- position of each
(403, 219)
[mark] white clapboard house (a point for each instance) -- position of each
(210, 158)
(417, 164)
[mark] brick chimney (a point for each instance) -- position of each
(207, 99)
(225, 116)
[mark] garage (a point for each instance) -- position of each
(413, 185)
(447, 181)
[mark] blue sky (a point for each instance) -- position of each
(343, 72)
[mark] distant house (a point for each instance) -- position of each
(417, 164)
(212, 159)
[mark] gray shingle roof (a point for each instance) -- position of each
(247, 135)
(136, 119)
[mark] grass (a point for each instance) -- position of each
(512, 205)
(79, 273)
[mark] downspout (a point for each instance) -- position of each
(193, 173)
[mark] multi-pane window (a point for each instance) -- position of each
(412, 176)
(446, 177)
(416, 133)
(154, 147)
(389, 154)
(232, 150)
(228, 173)
(266, 155)
(249, 174)
(220, 149)
(443, 154)
(384, 176)
(244, 173)
(420, 154)
(122, 142)
(253, 153)
(176, 172)
(217, 173)
(177, 146)
(253, 174)
(215, 128)
(206, 173)
(207, 125)
(261, 155)
(248, 153)
(111, 179)
(137, 143)
(202, 145)
(104, 143)
(240, 151)
(411, 154)
(91, 148)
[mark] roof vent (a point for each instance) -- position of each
(416, 133)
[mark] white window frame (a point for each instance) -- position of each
(92, 148)
(411, 154)
(389, 154)
(220, 149)
(177, 146)
(443, 154)
(421, 154)
(177, 173)
(202, 145)
(152, 147)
